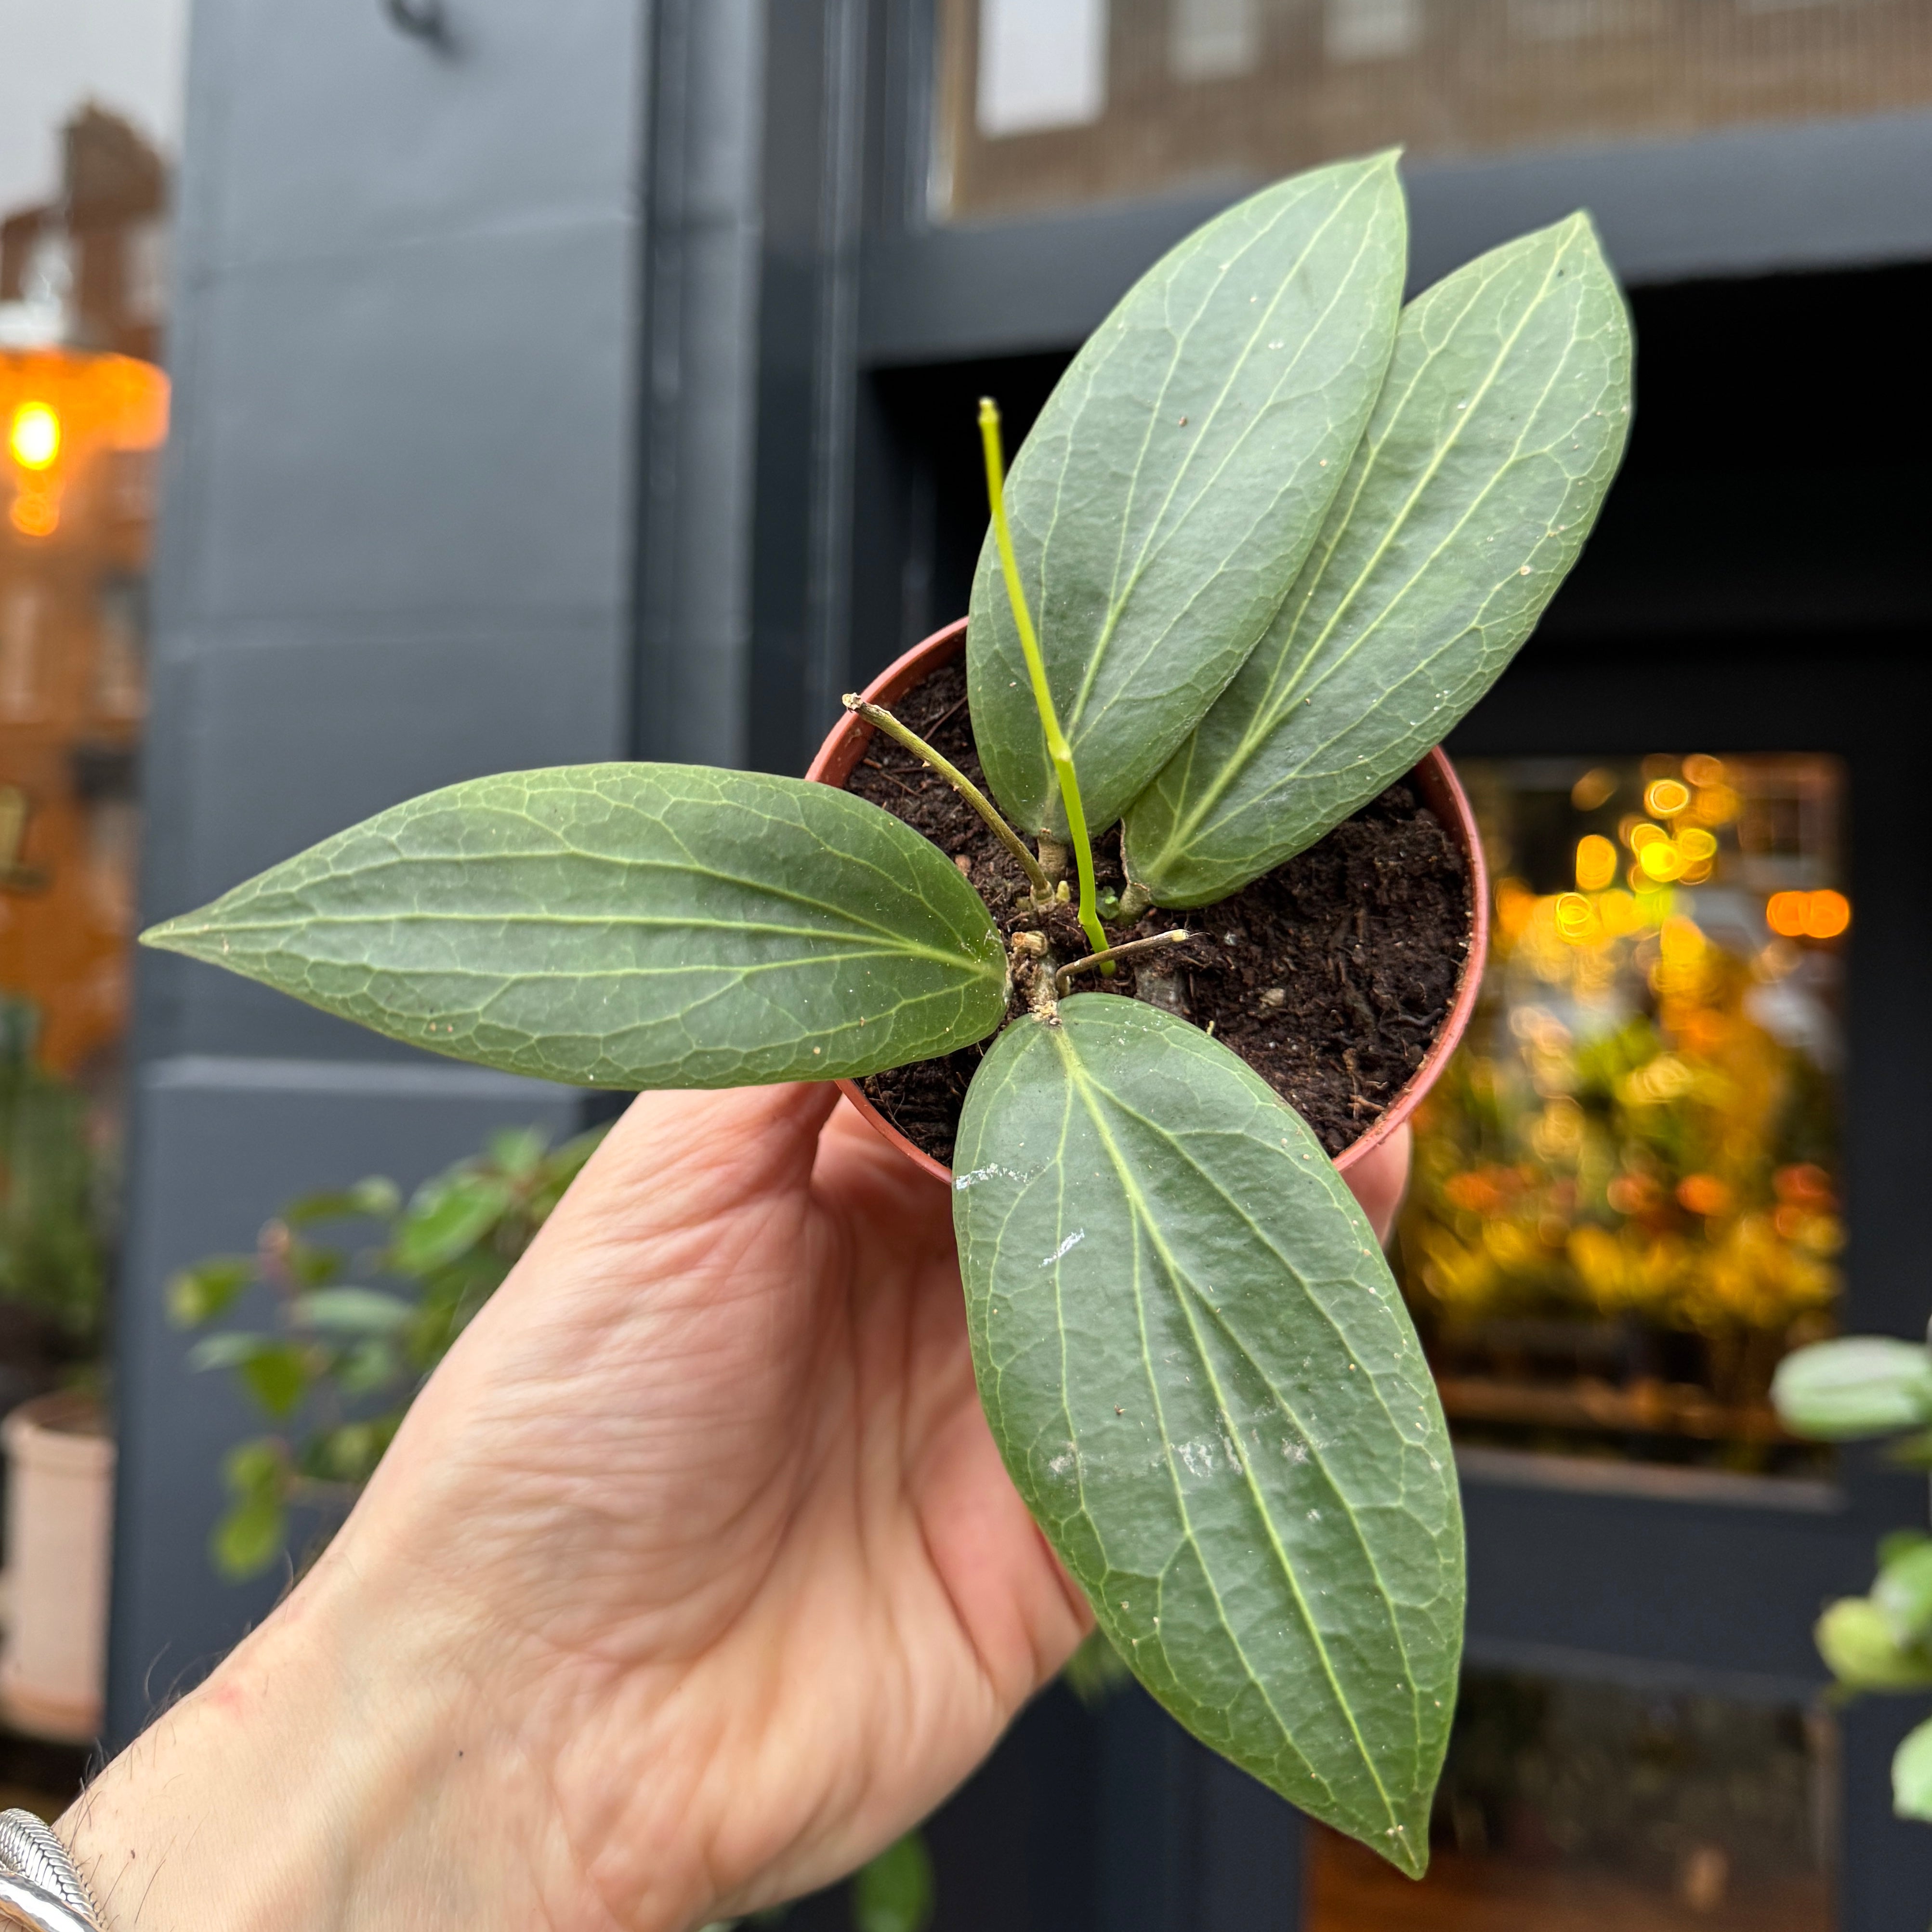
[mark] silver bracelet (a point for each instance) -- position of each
(39, 1887)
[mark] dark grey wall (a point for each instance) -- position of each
(397, 550)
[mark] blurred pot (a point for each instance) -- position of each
(1434, 779)
(60, 1508)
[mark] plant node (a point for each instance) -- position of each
(881, 719)
(1134, 900)
(1054, 859)
(1109, 956)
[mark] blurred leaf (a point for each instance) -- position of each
(1899, 1543)
(1912, 1773)
(200, 1293)
(1903, 1592)
(277, 1374)
(228, 1350)
(1170, 490)
(309, 1265)
(518, 1152)
(368, 1367)
(1858, 1385)
(249, 1537)
(373, 1199)
(1854, 1638)
(627, 926)
(894, 1892)
(352, 1311)
(249, 1467)
(349, 1452)
(1096, 1670)
(1911, 1452)
(445, 1218)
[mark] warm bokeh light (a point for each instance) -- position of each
(1593, 789)
(1820, 915)
(1667, 797)
(1596, 863)
(1658, 859)
(1827, 915)
(34, 438)
(35, 516)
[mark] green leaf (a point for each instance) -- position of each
(1172, 485)
(254, 1530)
(352, 1311)
(1204, 1382)
(1897, 1543)
(373, 1199)
(249, 1537)
(1489, 454)
(448, 1216)
(1904, 1593)
(200, 1294)
(627, 926)
(1912, 1773)
(894, 1892)
(1856, 1385)
(1854, 1638)
(518, 1152)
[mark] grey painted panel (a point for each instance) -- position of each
(349, 135)
(221, 1144)
(1832, 194)
(445, 426)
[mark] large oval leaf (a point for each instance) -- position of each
(1489, 454)
(1205, 1385)
(1172, 485)
(627, 926)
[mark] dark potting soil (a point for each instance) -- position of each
(1330, 976)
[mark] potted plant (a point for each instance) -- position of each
(60, 1450)
(1278, 532)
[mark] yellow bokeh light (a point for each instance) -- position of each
(1596, 863)
(1681, 941)
(1658, 859)
(1786, 913)
(1643, 833)
(1697, 845)
(1666, 797)
(1827, 914)
(34, 439)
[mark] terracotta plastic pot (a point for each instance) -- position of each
(60, 1508)
(1434, 779)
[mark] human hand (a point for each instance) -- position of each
(693, 1578)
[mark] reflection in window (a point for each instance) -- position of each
(1625, 1206)
(1047, 103)
(1568, 1805)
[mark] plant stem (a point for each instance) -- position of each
(1106, 957)
(881, 719)
(1058, 748)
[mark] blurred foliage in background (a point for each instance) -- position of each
(55, 1190)
(340, 1370)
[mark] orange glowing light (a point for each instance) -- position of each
(1786, 913)
(1827, 915)
(35, 515)
(1697, 845)
(34, 438)
(1593, 789)
(1702, 770)
(1596, 863)
(1666, 797)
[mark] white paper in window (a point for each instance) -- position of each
(1354, 30)
(1042, 63)
(1215, 39)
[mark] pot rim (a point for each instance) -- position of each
(1434, 776)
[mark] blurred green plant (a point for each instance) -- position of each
(347, 1360)
(1855, 1387)
(54, 1223)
